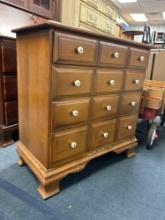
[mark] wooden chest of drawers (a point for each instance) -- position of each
(79, 95)
(8, 91)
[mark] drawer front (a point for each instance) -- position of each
(93, 3)
(10, 87)
(111, 81)
(11, 113)
(90, 17)
(70, 112)
(69, 143)
(102, 133)
(127, 126)
(71, 81)
(74, 50)
(8, 59)
(107, 25)
(107, 10)
(134, 81)
(138, 58)
(104, 106)
(112, 55)
(130, 102)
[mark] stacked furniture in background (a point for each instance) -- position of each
(8, 91)
(93, 15)
(79, 95)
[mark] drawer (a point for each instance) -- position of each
(127, 126)
(74, 50)
(134, 80)
(107, 9)
(107, 25)
(89, 16)
(69, 143)
(111, 81)
(112, 55)
(102, 133)
(10, 87)
(138, 58)
(70, 112)
(11, 113)
(68, 81)
(93, 3)
(104, 106)
(8, 56)
(130, 102)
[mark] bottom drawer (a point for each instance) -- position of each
(69, 143)
(11, 113)
(102, 133)
(127, 126)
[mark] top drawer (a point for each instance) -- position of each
(138, 58)
(74, 50)
(112, 55)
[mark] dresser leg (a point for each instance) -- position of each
(20, 162)
(130, 152)
(49, 190)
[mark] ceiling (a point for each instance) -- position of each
(152, 8)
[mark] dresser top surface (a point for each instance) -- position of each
(49, 24)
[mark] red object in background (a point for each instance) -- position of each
(149, 114)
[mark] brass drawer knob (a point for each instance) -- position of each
(77, 83)
(116, 55)
(133, 104)
(142, 58)
(73, 144)
(129, 127)
(80, 50)
(75, 113)
(136, 81)
(111, 82)
(108, 108)
(105, 134)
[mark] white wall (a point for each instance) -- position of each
(11, 18)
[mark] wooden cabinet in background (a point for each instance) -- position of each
(73, 102)
(8, 91)
(19, 3)
(45, 8)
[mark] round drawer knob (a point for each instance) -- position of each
(108, 108)
(111, 82)
(105, 134)
(75, 113)
(116, 55)
(129, 127)
(73, 144)
(80, 50)
(136, 81)
(133, 104)
(142, 58)
(77, 83)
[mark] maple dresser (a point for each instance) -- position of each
(79, 95)
(8, 91)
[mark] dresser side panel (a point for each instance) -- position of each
(34, 57)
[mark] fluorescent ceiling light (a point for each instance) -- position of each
(127, 1)
(163, 13)
(139, 17)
